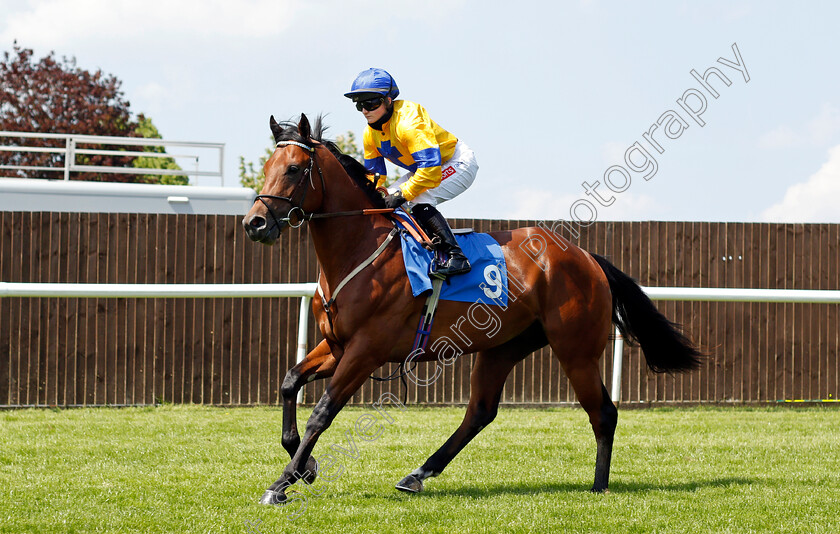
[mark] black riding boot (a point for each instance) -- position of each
(435, 223)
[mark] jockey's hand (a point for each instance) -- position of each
(394, 200)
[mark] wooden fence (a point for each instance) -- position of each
(67, 352)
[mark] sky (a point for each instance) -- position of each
(555, 98)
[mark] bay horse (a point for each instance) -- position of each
(569, 300)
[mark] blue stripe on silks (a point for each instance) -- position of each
(428, 157)
(376, 165)
(388, 150)
(394, 155)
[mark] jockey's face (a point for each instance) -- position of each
(376, 114)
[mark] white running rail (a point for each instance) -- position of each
(718, 294)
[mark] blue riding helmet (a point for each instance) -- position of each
(376, 81)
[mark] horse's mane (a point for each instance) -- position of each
(288, 131)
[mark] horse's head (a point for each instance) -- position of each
(292, 182)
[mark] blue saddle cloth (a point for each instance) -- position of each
(486, 281)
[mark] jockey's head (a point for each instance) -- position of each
(371, 89)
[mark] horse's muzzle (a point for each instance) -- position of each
(261, 230)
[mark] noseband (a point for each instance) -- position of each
(297, 207)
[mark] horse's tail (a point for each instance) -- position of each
(666, 349)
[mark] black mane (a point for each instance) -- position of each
(288, 131)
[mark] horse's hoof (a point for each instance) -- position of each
(273, 497)
(410, 484)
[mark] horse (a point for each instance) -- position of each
(569, 300)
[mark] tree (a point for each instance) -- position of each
(146, 129)
(252, 177)
(53, 95)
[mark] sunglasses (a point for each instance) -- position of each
(370, 104)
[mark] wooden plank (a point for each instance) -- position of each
(192, 325)
(730, 316)
(203, 344)
(239, 319)
(647, 275)
(154, 312)
(829, 279)
(138, 309)
(802, 343)
(120, 271)
(778, 251)
(790, 322)
(708, 277)
(833, 316)
(20, 369)
(163, 313)
(751, 318)
(222, 320)
(90, 246)
(73, 331)
(741, 329)
(766, 346)
(60, 354)
(671, 236)
(38, 310)
(7, 382)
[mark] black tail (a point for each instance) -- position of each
(638, 320)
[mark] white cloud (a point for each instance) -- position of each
(612, 152)
(823, 128)
(815, 200)
(54, 23)
(781, 137)
(819, 131)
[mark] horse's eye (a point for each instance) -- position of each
(293, 169)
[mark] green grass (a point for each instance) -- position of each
(200, 469)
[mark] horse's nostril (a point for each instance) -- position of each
(257, 222)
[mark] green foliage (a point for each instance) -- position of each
(347, 144)
(251, 175)
(145, 128)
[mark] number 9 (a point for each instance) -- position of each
(493, 276)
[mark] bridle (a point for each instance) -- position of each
(296, 211)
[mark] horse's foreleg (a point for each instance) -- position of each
(348, 377)
(319, 363)
(486, 383)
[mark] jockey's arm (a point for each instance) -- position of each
(422, 144)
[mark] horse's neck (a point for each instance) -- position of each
(342, 243)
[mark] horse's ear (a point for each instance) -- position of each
(276, 129)
(304, 128)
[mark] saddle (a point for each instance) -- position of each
(486, 282)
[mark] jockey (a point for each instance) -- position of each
(439, 165)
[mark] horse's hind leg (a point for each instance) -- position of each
(486, 383)
(603, 416)
(319, 363)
